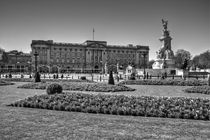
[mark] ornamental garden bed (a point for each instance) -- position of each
(167, 107)
(80, 86)
(198, 89)
(173, 82)
(4, 83)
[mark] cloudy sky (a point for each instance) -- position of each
(119, 22)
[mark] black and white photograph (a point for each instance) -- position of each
(104, 69)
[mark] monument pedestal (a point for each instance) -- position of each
(161, 64)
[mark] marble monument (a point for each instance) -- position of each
(165, 56)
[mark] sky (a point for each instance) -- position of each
(119, 22)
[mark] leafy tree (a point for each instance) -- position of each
(150, 63)
(185, 64)
(3, 56)
(195, 62)
(182, 56)
(202, 61)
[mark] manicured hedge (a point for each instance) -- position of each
(173, 82)
(80, 86)
(46, 80)
(167, 107)
(4, 83)
(198, 89)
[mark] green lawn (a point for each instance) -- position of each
(28, 123)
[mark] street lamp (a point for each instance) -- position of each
(17, 69)
(29, 66)
(37, 75)
(35, 55)
(102, 70)
(144, 55)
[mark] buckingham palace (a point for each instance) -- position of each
(90, 56)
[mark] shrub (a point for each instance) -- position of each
(3, 83)
(54, 88)
(83, 78)
(111, 79)
(37, 77)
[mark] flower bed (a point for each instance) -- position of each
(4, 83)
(198, 89)
(174, 82)
(175, 107)
(80, 86)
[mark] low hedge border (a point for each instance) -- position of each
(80, 86)
(4, 83)
(167, 107)
(198, 89)
(173, 82)
(47, 80)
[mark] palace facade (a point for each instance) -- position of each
(90, 56)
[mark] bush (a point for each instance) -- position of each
(83, 78)
(54, 88)
(37, 77)
(111, 79)
(4, 83)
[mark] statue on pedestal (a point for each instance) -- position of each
(165, 54)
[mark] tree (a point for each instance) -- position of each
(3, 56)
(150, 64)
(195, 62)
(202, 61)
(182, 56)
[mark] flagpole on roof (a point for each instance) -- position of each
(93, 33)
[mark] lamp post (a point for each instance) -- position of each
(16, 54)
(102, 70)
(29, 66)
(35, 56)
(144, 55)
(18, 69)
(37, 76)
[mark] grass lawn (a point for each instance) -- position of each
(28, 123)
